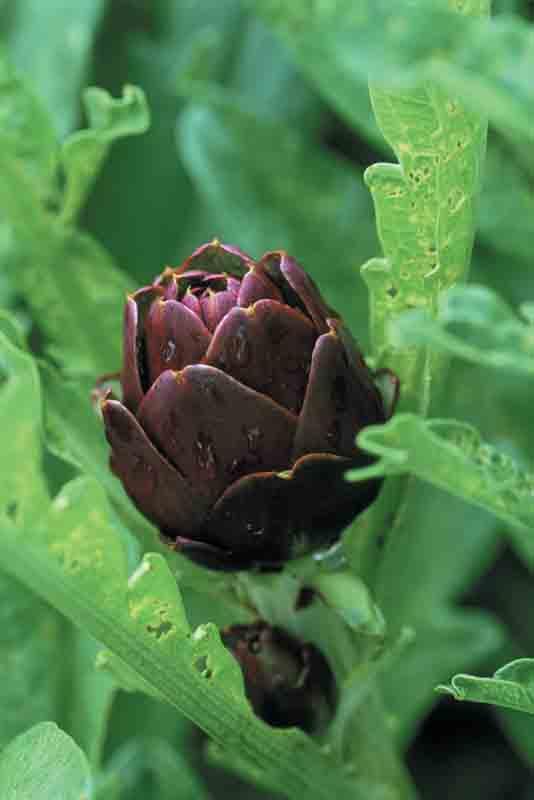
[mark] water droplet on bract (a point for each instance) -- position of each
(168, 351)
(253, 529)
(205, 455)
(235, 466)
(241, 348)
(145, 474)
(253, 438)
(334, 434)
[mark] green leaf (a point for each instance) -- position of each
(28, 136)
(75, 560)
(425, 208)
(80, 288)
(506, 217)
(170, 775)
(451, 455)
(30, 635)
(427, 562)
(51, 44)
(83, 152)
(475, 324)
(91, 693)
(512, 686)
(22, 491)
(486, 64)
(33, 632)
(43, 762)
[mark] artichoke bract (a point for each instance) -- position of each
(288, 682)
(242, 394)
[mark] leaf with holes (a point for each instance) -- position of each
(425, 208)
(451, 455)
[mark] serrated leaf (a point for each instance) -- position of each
(83, 152)
(512, 686)
(43, 762)
(425, 208)
(75, 561)
(452, 456)
(33, 632)
(475, 324)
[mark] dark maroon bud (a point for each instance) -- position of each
(288, 683)
(242, 395)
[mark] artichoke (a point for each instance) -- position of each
(242, 394)
(288, 683)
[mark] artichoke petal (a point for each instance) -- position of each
(191, 301)
(326, 502)
(267, 347)
(338, 401)
(253, 519)
(216, 257)
(210, 556)
(267, 518)
(215, 306)
(174, 336)
(214, 429)
(154, 485)
(256, 285)
(132, 390)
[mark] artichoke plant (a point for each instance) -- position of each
(288, 682)
(242, 394)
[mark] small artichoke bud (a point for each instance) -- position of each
(288, 683)
(242, 395)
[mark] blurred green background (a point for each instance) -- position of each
(245, 146)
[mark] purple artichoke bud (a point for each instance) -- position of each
(288, 683)
(242, 397)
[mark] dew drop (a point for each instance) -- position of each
(253, 438)
(253, 529)
(205, 455)
(168, 351)
(334, 434)
(241, 348)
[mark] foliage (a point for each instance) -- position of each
(251, 120)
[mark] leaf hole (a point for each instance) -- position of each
(12, 509)
(201, 664)
(162, 629)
